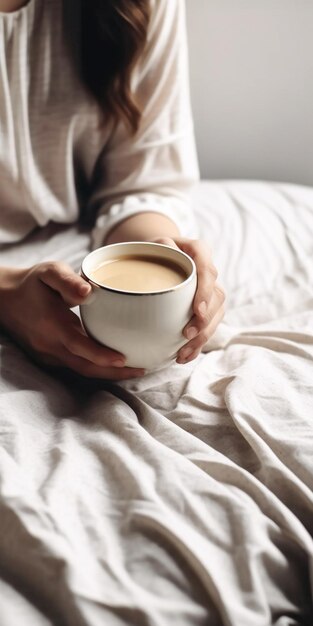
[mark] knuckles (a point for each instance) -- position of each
(50, 268)
(56, 269)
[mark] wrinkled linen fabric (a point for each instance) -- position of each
(184, 497)
(59, 159)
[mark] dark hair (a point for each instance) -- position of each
(114, 34)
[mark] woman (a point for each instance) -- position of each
(95, 121)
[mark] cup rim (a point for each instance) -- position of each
(97, 285)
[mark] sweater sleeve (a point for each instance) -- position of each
(155, 169)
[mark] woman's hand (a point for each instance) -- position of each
(35, 310)
(208, 305)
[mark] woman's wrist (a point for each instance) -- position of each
(143, 227)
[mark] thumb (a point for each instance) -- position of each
(60, 277)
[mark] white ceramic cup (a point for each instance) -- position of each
(144, 326)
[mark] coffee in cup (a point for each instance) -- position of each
(141, 300)
(139, 273)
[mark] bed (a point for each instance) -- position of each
(185, 497)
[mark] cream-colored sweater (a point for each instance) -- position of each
(56, 161)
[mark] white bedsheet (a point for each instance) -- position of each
(183, 498)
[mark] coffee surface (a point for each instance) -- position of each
(139, 273)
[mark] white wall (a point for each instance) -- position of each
(251, 66)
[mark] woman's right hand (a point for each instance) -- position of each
(35, 311)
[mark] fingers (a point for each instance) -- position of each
(206, 273)
(52, 334)
(205, 316)
(206, 276)
(208, 304)
(78, 344)
(61, 278)
(193, 348)
(85, 356)
(86, 368)
(91, 370)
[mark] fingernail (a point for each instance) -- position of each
(118, 363)
(192, 332)
(202, 308)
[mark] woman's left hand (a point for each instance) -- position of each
(208, 304)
